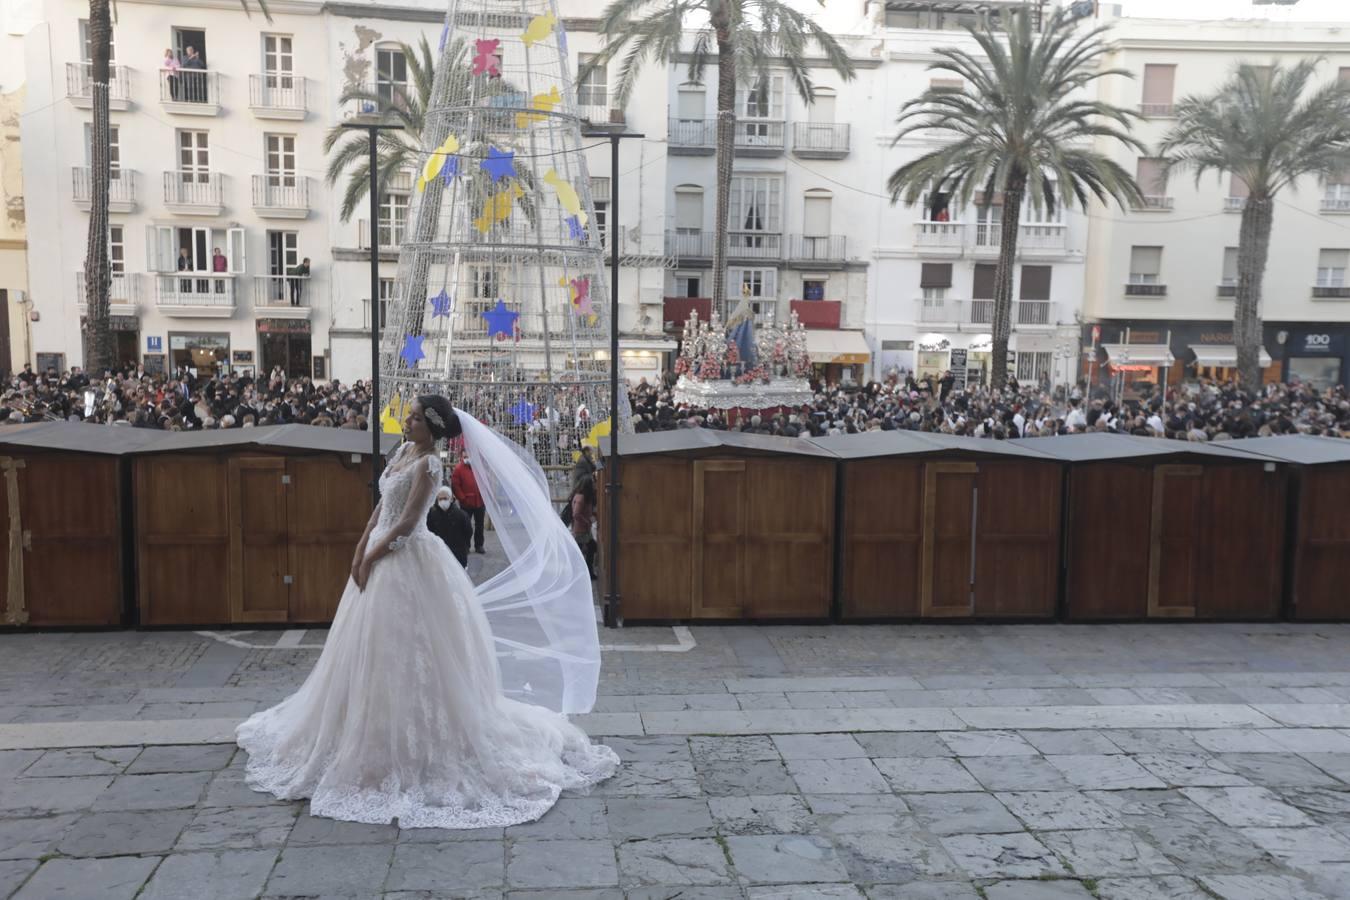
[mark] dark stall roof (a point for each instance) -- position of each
(1099, 447)
(1301, 449)
(906, 443)
(119, 440)
(687, 440)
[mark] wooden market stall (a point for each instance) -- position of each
(723, 525)
(1318, 554)
(939, 526)
(250, 525)
(64, 493)
(1168, 529)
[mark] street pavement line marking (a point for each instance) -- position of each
(290, 640)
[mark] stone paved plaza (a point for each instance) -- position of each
(1132, 762)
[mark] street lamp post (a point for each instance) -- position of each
(611, 607)
(372, 130)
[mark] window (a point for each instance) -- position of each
(391, 74)
(87, 46)
(983, 286)
(117, 250)
(1145, 265)
(278, 60)
(593, 89)
(280, 160)
(484, 283)
(688, 284)
(386, 295)
(1230, 266)
(1151, 181)
(283, 251)
(114, 149)
(821, 110)
(813, 288)
(761, 286)
(1343, 73)
(816, 213)
(1035, 283)
(1237, 188)
(1331, 266)
(755, 210)
(947, 85)
(1033, 366)
(600, 199)
(688, 209)
(1159, 81)
(935, 279)
(1337, 196)
(764, 100)
(194, 157)
(691, 104)
(393, 218)
(193, 248)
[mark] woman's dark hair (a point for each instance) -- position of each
(448, 426)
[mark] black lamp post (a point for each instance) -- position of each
(373, 129)
(612, 616)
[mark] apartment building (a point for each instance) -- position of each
(14, 309)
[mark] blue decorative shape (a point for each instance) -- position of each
(441, 305)
(498, 164)
(501, 321)
(522, 412)
(412, 349)
(445, 36)
(450, 169)
(574, 229)
(509, 100)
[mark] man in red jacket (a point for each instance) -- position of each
(465, 488)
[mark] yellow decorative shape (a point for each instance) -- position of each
(498, 208)
(539, 28)
(542, 103)
(567, 195)
(437, 160)
(592, 439)
(391, 419)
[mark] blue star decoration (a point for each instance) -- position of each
(412, 349)
(501, 321)
(450, 170)
(441, 305)
(498, 164)
(522, 412)
(574, 229)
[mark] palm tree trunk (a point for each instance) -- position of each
(1003, 278)
(1253, 252)
(726, 148)
(97, 277)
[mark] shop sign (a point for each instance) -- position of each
(283, 326)
(154, 343)
(1316, 343)
(958, 367)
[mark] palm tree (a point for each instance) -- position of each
(749, 36)
(1264, 127)
(1023, 128)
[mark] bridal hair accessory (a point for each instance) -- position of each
(434, 417)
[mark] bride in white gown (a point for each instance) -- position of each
(407, 713)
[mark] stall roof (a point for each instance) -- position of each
(1301, 449)
(119, 440)
(906, 443)
(1139, 354)
(685, 440)
(1100, 446)
(1223, 355)
(827, 346)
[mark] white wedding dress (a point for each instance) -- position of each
(404, 715)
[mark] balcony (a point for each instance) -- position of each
(390, 235)
(194, 193)
(283, 196)
(676, 310)
(818, 313)
(1336, 203)
(121, 189)
(1157, 110)
(760, 137)
(196, 295)
(277, 95)
(941, 310)
(1227, 289)
(940, 238)
(683, 244)
(1033, 314)
(754, 245)
(1331, 292)
(601, 115)
(80, 86)
(124, 294)
(692, 137)
(820, 140)
(988, 237)
(1153, 203)
(1234, 204)
(190, 92)
(281, 297)
(828, 249)
(981, 312)
(1145, 289)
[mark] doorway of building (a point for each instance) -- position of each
(283, 254)
(126, 344)
(290, 351)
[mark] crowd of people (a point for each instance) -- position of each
(1206, 411)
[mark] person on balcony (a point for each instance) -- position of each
(220, 265)
(297, 280)
(194, 81)
(171, 67)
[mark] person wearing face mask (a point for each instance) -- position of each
(451, 524)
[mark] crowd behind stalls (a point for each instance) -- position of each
(1206, 411)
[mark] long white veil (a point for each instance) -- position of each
(540, 607)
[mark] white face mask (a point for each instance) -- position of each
(443, 503)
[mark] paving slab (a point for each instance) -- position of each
(1247, 806)
(764, 814)
(559, 864)
(238, 827)
(220, 875)
(1164, 887)
(467, 865)
(1037, 890)
(1017, 855)
(125, 833)
(785, 859)
(969, 813)
(880, 857)
(1099, 853)
(119, 878)
(926, 774)
(309, 871)
(694, 861)
(32, 838)
(647, 818)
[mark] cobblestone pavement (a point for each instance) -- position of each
(1133, 762)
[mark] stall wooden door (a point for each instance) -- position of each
(947, 582)
(1017, 539)
(1176, 539)
(719, 538)
(1322, 554)
(883, 538)
(654, 537)
(327, 505)
(183, 557)
(788, 536)
(260, 558)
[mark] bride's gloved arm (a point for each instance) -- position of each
(414, 511)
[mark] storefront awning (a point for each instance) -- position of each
(1149, 355)
(846, 348)
(1221, 355)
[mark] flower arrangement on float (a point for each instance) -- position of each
(712, 373)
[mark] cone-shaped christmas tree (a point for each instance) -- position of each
(501, 301)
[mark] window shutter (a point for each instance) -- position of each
(1237, 188)
(1159, 84)
(1230, 264)
(1149, 175)
(983, 288)
(821, 110)
(936, 275)
(1035, 283)
(236, 250)
(689, 209)
(691, 105)
(1145, 260)
(816, 215)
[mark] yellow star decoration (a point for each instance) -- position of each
(538, 29)
(497, 209)
(592, 439)
(437, 160)
(567, 195)
(391, 419)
